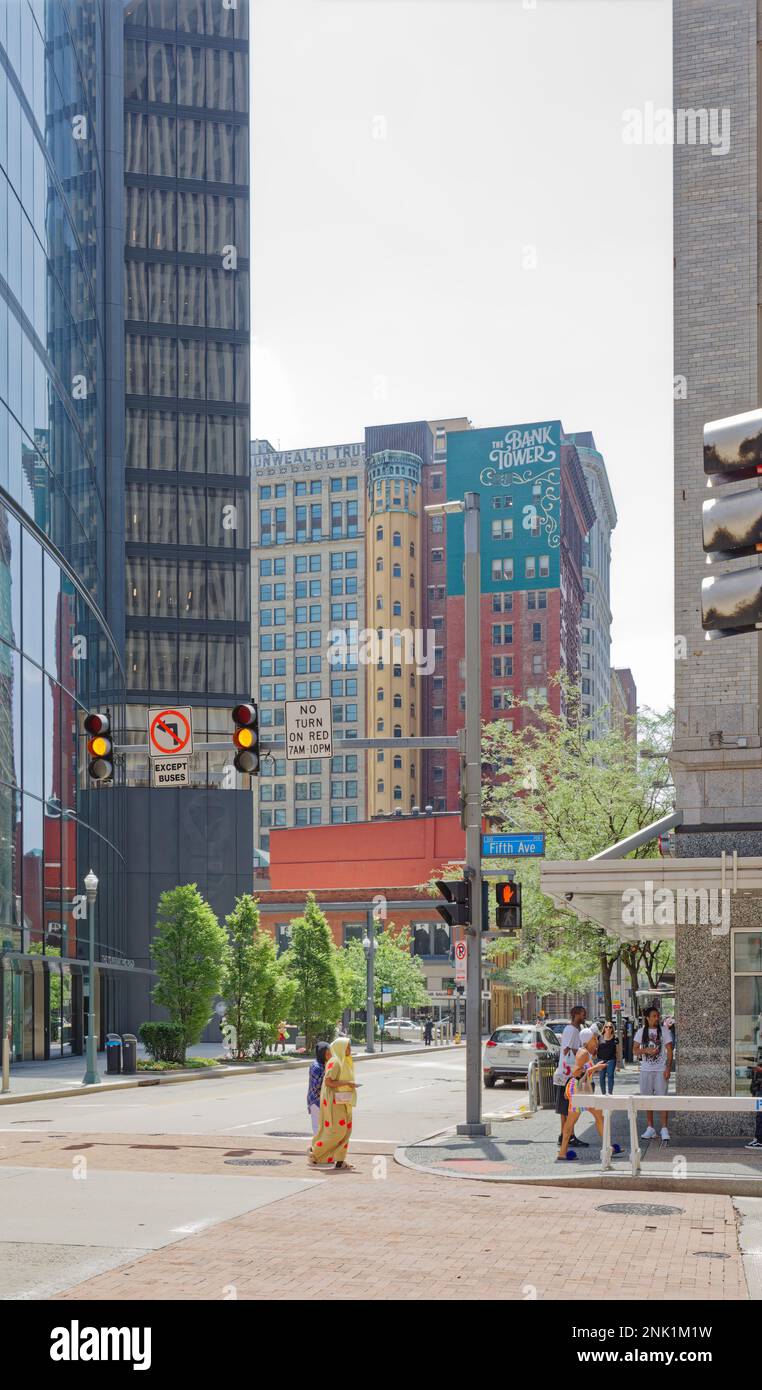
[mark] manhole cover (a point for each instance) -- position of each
(640, 1209)
(711, 1255)
(286, 1134)
(256, 1162)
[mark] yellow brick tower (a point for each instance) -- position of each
(394, 612)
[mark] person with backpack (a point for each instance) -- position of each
(756, 1090)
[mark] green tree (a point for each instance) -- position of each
(255, 988)
(311, 963)
(188, 952)
(586, 787)
(395, 968)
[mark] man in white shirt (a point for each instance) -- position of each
(570, 1043)
(654, 1046)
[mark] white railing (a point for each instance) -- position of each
(659, 1105)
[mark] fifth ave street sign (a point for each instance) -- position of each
(528, 846)
(308, 729)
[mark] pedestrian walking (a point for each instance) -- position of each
(653, 1045)
(316, 1075)
(570, 1044)
(610, 1052)
(756, 1090)
(428, 1032)
(338, 1097)
(282, 1036)
(581, 1082)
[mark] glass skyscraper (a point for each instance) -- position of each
(57, 654)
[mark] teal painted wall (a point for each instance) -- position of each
(519, 467)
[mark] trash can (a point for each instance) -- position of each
(113, 1053)
(547, 1066)
(129, 1053)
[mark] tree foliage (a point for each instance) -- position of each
(255, 987)
(586, 787)
(395, 968)
(311, 963)
(188, 952)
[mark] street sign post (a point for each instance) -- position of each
(308, 729)
(461, 963)
(170, 732)
(513, 846)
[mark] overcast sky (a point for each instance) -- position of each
(447, 221)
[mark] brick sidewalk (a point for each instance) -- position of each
(388, 1233)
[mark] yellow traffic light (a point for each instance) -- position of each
(99, 747)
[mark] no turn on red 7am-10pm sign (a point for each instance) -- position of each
(170, 744)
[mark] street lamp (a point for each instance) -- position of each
(91, 1077)
(369, 947)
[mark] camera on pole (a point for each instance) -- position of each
(732, 524)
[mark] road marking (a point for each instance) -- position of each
(407, 1089)
(250, 1123)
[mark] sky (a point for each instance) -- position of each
(450, 218)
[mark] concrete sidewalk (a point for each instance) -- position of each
(524, 1148)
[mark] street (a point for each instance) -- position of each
(202, 1191)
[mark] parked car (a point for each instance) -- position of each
(510, 1049)
(403, 1028)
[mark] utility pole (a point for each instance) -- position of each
(473, 814)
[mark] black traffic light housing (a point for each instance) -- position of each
(457, 913)
(100, 747)
(732, 525)
(246, 738)
(508, 906)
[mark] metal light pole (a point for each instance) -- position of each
(369, 947)
(473, 813)
(91, 1077)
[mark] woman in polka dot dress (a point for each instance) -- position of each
(338, 1096)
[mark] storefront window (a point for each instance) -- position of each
(747, 1010)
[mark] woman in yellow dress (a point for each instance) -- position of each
(338, 1095)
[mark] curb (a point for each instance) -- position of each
(718, 1185)
(172, 1078)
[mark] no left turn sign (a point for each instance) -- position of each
(170, 732)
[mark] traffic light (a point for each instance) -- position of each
(732, 525)
(99, 746)
(246, 739)
(458, 895)
(508, 909)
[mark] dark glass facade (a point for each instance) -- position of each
(57, 656)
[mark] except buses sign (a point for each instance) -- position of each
(308, 729)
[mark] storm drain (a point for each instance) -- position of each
(640, 1209)
(256, 1162)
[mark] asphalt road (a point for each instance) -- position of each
(399, 1101)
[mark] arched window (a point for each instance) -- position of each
(398, 702)
(397, 609)
(380, 755)
(412, 618)
(398, 793)
(412, 547)
(379, 600)
(412, 711)
(379, 564)
(396, 538)
(379, 726)
(379, 533)
(380, 693)
(397, 571)
(380, 785)
(412, 581)
(398, 731)
(397, 670)
(397, 760)
(412, 769)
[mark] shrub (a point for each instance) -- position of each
(164, 1042)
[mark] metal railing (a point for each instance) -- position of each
(658, 1104)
